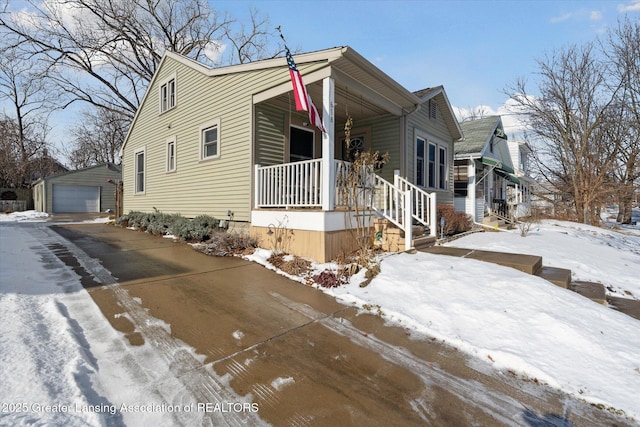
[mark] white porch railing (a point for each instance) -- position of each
(299, 184)
(389, 202)
(424, 208)
(286, 185)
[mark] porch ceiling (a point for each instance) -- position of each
(345, 99)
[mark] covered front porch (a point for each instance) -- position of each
(488, 189)
(299, 172)
(291, 211)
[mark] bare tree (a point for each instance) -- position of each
(9, 153)
(252, 41)
(97, 138)
(569, 119)
(622, 49)
(474, 113)
(106, 52)
(23, 88)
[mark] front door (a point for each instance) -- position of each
(301, 144)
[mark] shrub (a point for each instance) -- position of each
(454, 222)
(163, 224)
(330, 279)
(290, 264)
(223, 243)
(139, 220)
(200, 229)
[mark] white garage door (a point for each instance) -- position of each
(76, 198)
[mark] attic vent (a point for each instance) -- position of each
(433, 108)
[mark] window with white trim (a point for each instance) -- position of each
(431, 162)
(210, 140)
(171, 154)
(139, 172)
(442, 168)
(168, 94)
(420, 161)
(431, 165)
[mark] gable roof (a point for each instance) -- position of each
(439, 95)
(476, 135)
(341, 62)
(110, 166)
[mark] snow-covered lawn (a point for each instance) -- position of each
(591, 253)
(521, 324)
(56, 348)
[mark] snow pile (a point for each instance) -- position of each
(24, 216)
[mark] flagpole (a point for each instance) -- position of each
(302, 98)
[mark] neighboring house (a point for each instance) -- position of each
(519, 194)
(228, 142)
(483, 170)
(85, 190)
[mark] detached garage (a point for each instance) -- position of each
(85, 190)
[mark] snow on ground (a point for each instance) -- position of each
(29, 216)
(36, 216)
(591, 253)
(61, 350)
(61, 362)
(517, 322)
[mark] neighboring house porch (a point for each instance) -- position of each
(484, 175)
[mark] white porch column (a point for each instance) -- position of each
(471, 190)
(328, 164)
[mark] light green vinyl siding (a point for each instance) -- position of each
(210, 186)
(270, 127)
(386, 138)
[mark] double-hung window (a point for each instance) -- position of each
(442, 168)
(139, 172)
(210, 140)
(420, 161)
(168, 94)
(171, 154)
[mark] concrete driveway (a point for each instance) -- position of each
(302, 357)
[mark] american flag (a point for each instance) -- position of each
(303, 100)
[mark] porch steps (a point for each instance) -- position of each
(391, 238)
(497, 221)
